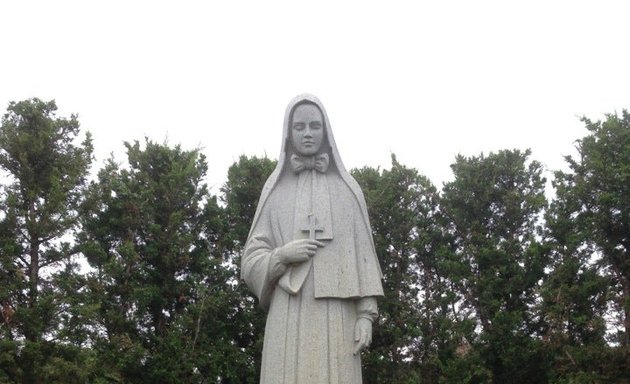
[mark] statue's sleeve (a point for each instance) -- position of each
(367, 308)
(260, 267)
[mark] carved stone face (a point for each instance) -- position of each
(307, 129)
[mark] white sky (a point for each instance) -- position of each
(423, 80)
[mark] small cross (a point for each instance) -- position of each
(312, 227)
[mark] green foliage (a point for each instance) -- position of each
(468, 366)
(403, 209)
(494, 206)
(245, 181)
(590, 227)
(46, 172)
(574, 299)
(161, 301)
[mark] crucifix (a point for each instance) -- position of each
(312, 227)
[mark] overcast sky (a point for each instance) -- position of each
(423, 80)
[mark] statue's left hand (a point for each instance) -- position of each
(362, 334)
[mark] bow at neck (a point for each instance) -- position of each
(303, 163)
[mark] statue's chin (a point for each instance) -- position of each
(307, 151)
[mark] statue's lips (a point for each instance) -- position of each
(308, 143)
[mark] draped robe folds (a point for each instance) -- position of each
(310, 330)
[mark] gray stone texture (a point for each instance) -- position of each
(310, 258)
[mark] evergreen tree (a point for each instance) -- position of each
(408, 336)
(595, 197)
(494, 206)
(46, 169)
(574, 300)
(240, 195)
(160, 291)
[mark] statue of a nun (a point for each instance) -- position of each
(310, 258)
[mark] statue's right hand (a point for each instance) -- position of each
(298, 251)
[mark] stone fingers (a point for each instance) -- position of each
(310, 246)
(298, 251)
(310, 249)
(361, 338)
(317, 243)
(361, 344)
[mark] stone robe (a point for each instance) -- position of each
(310, 330)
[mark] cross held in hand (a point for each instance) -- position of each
(312, 227)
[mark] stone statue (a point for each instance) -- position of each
(310, 258)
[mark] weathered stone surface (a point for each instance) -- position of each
(310, 258)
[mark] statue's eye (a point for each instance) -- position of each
(316, 125)
(299, 126)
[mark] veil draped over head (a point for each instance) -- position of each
(285, 154)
